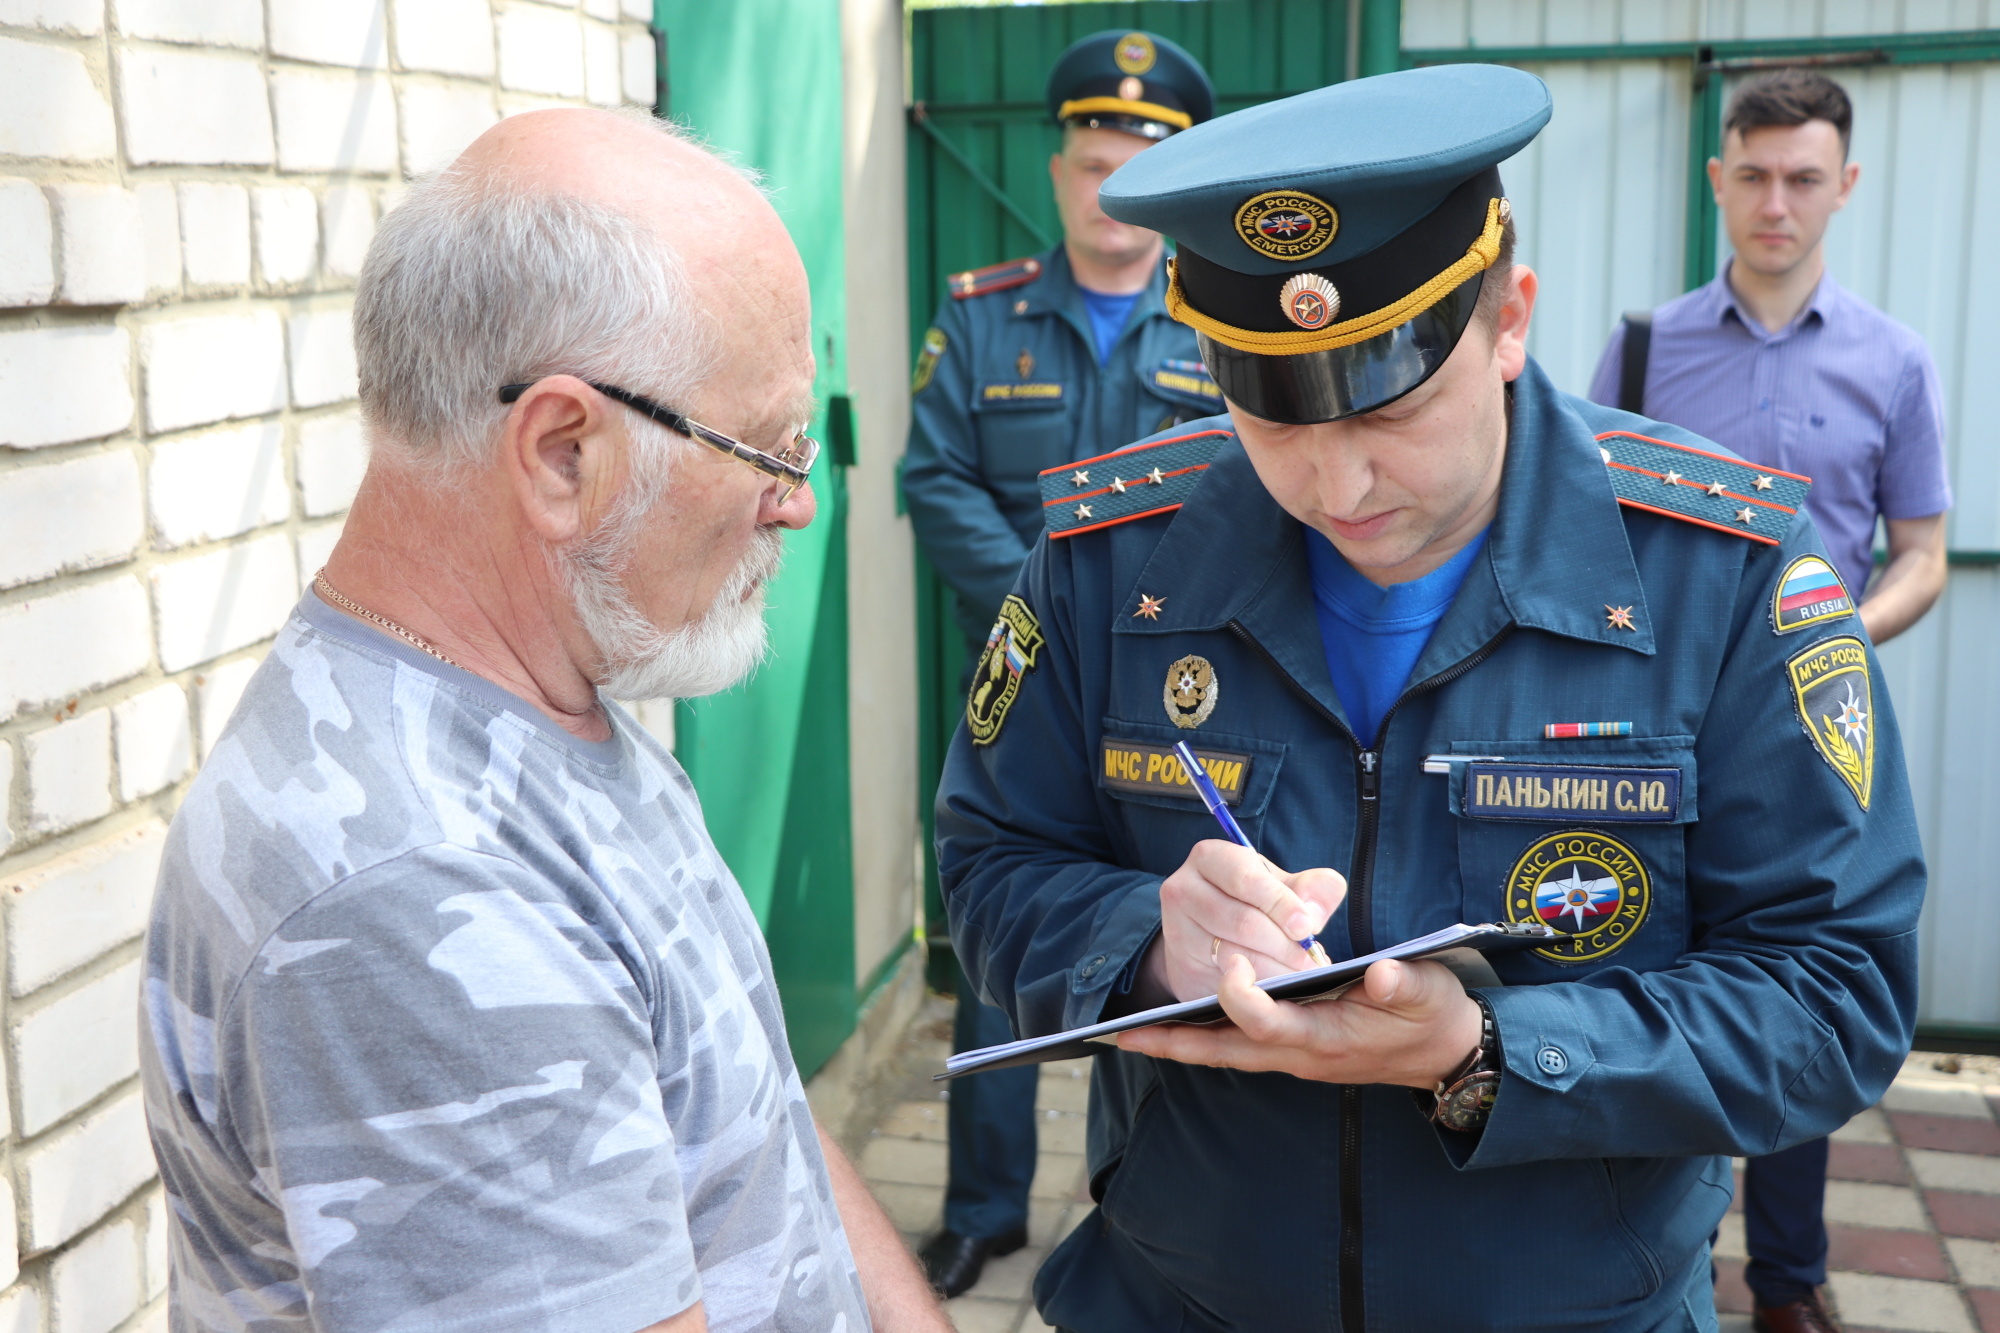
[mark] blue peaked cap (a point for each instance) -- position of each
(1333, 245)
(1383, 151)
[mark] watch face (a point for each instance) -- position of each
(1469, 1102)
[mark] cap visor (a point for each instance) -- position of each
(1343, 381)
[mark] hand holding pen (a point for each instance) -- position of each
(1219, 807)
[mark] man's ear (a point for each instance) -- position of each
(1510, 331)
(1715, 178)
(560, 458)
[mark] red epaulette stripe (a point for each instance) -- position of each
(993, 278)
(1688, 449)
(1085, 495)
(1131, 449)
(1700, 522)
(1113, 522)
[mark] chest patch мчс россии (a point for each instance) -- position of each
(1586, 884)
(1009, 655)
(1140, 766)
(1836, 702)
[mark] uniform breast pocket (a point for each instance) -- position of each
(1586, 837)
(1179, 388)
(1023, 428)
(1158, 806)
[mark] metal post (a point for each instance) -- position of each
(1381, 36)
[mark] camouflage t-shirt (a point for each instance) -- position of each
(456, 1021)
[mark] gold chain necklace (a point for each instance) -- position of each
(334, 595)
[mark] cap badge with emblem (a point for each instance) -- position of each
(1135, 53)
(1287, 224)
(1131, 89)
(1309, 301)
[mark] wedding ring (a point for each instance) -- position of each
(1214, 950)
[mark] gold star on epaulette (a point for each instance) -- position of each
(1620, 617)
(1763, 483)
(1149, 607)
(1715, 488)
(1117, 486)
(1079, 478)
(1083, 511)
(1672, 478)
(1154, 478)
(1743, 516)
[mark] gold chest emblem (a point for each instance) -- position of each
(1192, 688)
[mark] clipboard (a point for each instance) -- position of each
(1461, 948)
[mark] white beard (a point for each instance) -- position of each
(705, 656)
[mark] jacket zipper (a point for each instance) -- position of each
(1361, 939)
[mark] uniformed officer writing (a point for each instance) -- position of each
(1483, 652)
(1030, 363)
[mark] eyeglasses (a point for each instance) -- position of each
(793, 467)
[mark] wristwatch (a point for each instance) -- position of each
(1465, 1098)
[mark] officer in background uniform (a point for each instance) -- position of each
(1032, 363)
(1456, 647)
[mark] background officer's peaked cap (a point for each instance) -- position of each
(1123, 79)
(1332, 244)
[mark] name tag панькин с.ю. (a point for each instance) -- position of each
(1598, 794)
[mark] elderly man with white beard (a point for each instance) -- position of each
(454, 1018)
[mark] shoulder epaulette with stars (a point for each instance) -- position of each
(1133, 483)
(993, 278)
(1697, 486)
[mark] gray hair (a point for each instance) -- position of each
(474, 282)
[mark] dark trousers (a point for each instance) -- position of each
(1784, 1222)
(992, 1129)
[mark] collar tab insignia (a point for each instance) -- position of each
(1586, 884)
(1191, 691)
(1835, 695)
(1808, 592)
(1619, 617)
(1733, 496)
(1008, 657)
(1153, 478)
(1149, 607)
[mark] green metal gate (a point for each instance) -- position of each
(980, 141)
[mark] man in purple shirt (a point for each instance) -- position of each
(1778, 362)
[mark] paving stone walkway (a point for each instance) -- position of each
(1913, 1206)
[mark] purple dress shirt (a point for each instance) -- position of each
(1843, 394)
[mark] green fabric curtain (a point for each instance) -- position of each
(761, 81)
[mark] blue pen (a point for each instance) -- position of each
(1218, 807)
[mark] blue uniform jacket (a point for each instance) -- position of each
(1017, 388)
(1765, 993)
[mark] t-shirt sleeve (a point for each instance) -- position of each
(1604, 384)
(445, 1078)
(1915, 480)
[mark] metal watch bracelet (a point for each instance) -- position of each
(1464, 1100)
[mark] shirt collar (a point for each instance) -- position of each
(1722, 303)
(1056, 293)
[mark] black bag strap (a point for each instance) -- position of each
(1632, 370)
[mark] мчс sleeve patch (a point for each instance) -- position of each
(1836, 702)
(1808, 592)
(1008, 656)
(927, 359)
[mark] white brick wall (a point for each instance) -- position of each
(218, 483)
(151, 741)
(188, 193)
(79, 513)
(215, 234)
(27, 265)
(100, 247)
(66, 912)
(203, 368)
